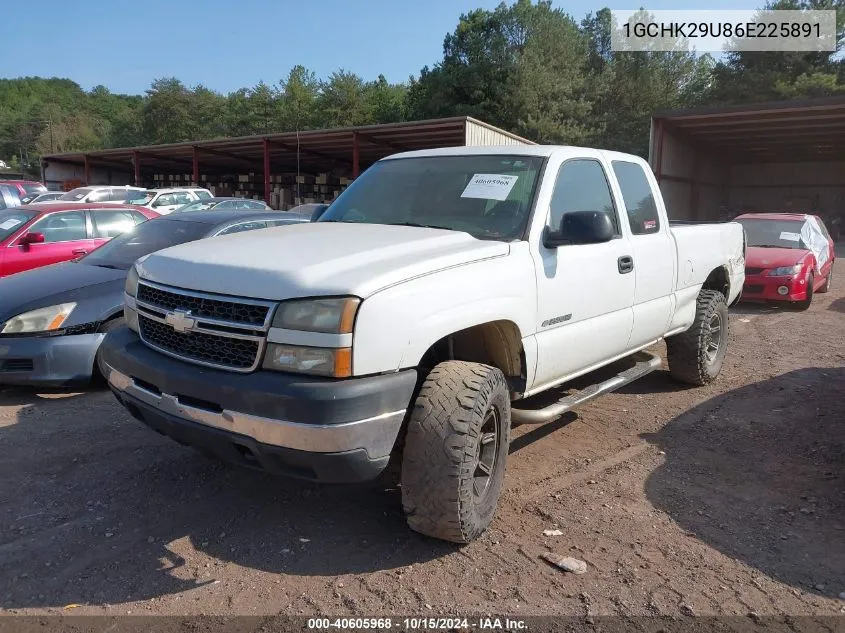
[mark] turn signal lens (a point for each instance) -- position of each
(316, 361)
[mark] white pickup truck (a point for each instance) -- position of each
(440, 290)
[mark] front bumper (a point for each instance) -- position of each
(48, 361)
(765, 288)
(313, 428)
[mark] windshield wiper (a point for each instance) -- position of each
(423, 226)
(110, 266)
(768, 246)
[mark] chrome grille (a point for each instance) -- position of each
(204, 306)
(219, 351)
(212, 330)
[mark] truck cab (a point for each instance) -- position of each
(437, 292)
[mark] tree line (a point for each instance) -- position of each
(526, 67)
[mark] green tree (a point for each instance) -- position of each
(167, 115)
(298, 99)
(755, 76)
(387, 102)
(342, 101)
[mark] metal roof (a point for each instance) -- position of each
(308, 149)
(783, 131)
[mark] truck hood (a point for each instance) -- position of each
(314, 259)
(757, 257)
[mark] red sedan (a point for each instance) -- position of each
(789, 258)
(36, 235)
(25, 188)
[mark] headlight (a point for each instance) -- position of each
(319, 361)
(784, 271)
(132, 282)
(334, 316)
(40, 320)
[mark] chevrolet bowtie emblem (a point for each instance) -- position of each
(180, 320)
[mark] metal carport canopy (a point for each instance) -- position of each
(785, 131)
(349, 149)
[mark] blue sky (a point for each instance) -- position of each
(226, 45)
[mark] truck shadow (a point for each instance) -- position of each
(97, 509)
(758, 473)
(749, 308)
(837, 305)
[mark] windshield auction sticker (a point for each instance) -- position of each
(790, 237)
(489, 186)
(10, 223)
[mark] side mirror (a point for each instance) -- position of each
(581, 227)
(32, 238)
(318, 212)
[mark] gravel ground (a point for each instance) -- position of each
(723, 500)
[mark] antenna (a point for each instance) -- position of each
(297, 164)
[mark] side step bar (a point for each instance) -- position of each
(645, 364)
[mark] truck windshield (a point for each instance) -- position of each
(487, 196)
(773, 233)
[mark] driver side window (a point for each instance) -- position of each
(581, 185)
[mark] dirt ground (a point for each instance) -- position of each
(726, 500)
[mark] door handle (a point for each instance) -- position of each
(625, 264)
(79, 252)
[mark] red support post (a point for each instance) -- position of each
(658, 158)
(355, 156)
(137, 160)
(87, 169)
(196, 167)
(267, 172)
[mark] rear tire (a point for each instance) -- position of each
(805, 305)
(456, 447)
(825, 287)
(696, 356)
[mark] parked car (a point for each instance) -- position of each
(166, 201)
(52, 320)
(312, 209)
(104, 193)
(35, 198)
(222, 203)
(438, 291)
(9, 197)
(36, 235)
(25, 188)
(790, 257)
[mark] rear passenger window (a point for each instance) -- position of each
(581, 186)
(244, 226)
(99, 195)
(66, 226)
(638, 197)
(109, 224)
(182, 197)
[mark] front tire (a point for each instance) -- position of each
(805, 305)
(696, 356)
(455, 451)
(825, 287)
